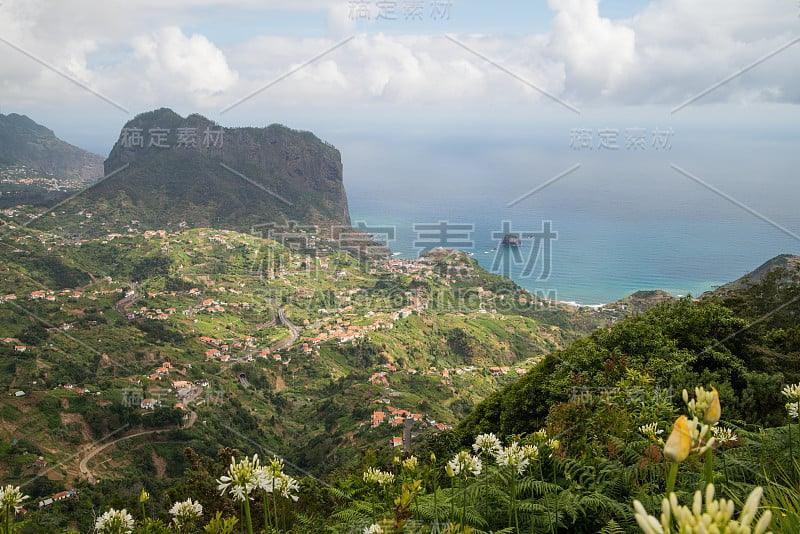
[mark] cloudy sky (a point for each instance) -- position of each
(415, 60)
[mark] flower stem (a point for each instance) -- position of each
(463, 501)
(514, 498)
(266, 510)
(248, 519)
(708, 464)
(434, 484)
(275, 507)
(671, 477)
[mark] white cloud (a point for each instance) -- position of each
(597, 52)
(193, 63)
(149, 53)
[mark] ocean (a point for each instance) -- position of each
(595, 257)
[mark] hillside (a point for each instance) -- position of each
(151, 342)
(639, 302)
(740, 337)
(315, 356)
(23, 142)
(787, 264)
(167, 171)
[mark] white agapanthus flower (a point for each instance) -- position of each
(184, 512)
(716, 517)
(377, 476)
(723, 434)
(488, 443)
(793, 408)
(11, 497)
(266, 480)
(114, 522)
(373, 529)
(465, 463)
(651, 430)
(513, 456)
(270, 477)
(288, 486)
(704, 406)
(792, 392)
(242, 478)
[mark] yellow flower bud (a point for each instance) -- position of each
(714, 410)
(679, 443)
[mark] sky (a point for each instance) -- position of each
(338, 67)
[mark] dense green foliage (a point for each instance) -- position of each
(674, 344)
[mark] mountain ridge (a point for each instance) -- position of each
(25, 142)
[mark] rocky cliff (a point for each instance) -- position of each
(165, 170)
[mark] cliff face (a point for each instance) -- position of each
(168, 169)
(24, 142)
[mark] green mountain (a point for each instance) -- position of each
(166, 170)
(24, 142)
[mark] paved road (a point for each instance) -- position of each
(294, 331)
(126, 302)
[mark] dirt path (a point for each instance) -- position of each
(280, 384)
(94, 450)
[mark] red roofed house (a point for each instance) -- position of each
(377, 418)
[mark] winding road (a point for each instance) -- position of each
(294, 331)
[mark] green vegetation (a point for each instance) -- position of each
(176, 351)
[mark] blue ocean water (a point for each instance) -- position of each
(599, 255)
